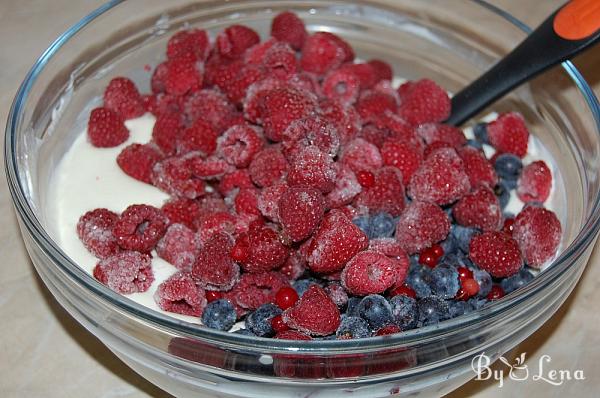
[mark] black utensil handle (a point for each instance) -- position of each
(578, 22)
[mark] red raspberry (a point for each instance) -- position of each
(311, 130)
(434, 146)
(157, 82)
(292, 335)
(336, 241)
(246, 202)
(387, 330)
(182, 76)
(421, 225)
(344, 117)
(106, 128)
(239, 144)
(212, 106)
(312, 168)
(361, 155)
(235, 40)
(255, 96)
(440, 179)
(373, 103)
(535, 182)
(214, 268)
(200, 136)
(179, 294)
(209, 168)
(382, 69)
(213, 223)
(479, 209)
(315, 313)
(423, 101)
(125, 272)
(122, 96)
(346, 187)
(192, 43)
(370, 273)
(509, 134)
(268, 201)
(294, 267)
(158, 104)
(182, 211)
(212, 203)
(496, 253)
(337, 294)
(390, 247)
(477, 167)
(140, 227)
(286, 297)
(280, 61)
(366, 73)
(403, 156)
(255, 55)
(268, 167)
(265, 251)
(392, 126)
(166, 132)
(94, 229)
(179, 246)
(288, 28)
(342, 85)
(239, 178)
(435, 132)
(324, 51)
(174, 176)
(254, 290)
(235, 79)
(538, 233)
(300, 212)
(137, 161)
(387, 195)
(281, 106)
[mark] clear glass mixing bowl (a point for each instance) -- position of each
(451, 45)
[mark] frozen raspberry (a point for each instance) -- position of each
(212, 223)
(373, 103)
(423, 101)
(246, 202)
(323, 52)
(235, 40)
(254, 290)
(158, 104)
(200, 136)
(421, 225)
(367, 75)
(282, 106)
(255, 96)
(538, 233)
(268, 200)
(94, 229)
(382, 69)
(390, 247)
(106, 128)
(268, 167)
(174, 176)
(336, 241)
(288, 28)
(361, 155)
(344, 117)
(509, 134)
(312, 168)
(535, 182)
(212, 106)
(440, 179)
(122, 96)
(386, 195)
(370, 273)
(182, 76)
(157, 81)
(300, 212)
(346, 187)
(280, 61)
(140, 227)
(179, 294)
(214, 268)
(496, 253)
(235, 79)
(192, 43)
(210, 168)
(125, 272)
(294, 267)
(138, 160)
(315, 313)
(237, 179)
(179, 246)
(392, 126)
(255, 55)
(182, 211)
(264, 249)
(342, 85)
(292, 335)
(337, 294)
(239, 144)
(311, 130)
(212, 203)
(403, 156)
(166, 132)
(435, 132)
(479, 209)
(477, 167)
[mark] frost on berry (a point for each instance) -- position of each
(538, 232)
(180, 294)
(300, 211)
(179, 246)
(370, 273)
(361, 155)
(214, 268)
(312, 168)
(175, 176)
(315, 313)
(420, 225)
(535, 182)
(140, 227)
(346, 187)
(268, 167)
(254, 290)
(125, 272)
(94, 229)
(239, 144)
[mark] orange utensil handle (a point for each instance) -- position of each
(578, 19)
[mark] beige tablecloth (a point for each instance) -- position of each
(45, 353)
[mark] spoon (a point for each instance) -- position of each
(569, 30)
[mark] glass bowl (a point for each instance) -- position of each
(420, 39)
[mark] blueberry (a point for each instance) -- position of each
(352, 305)
(432, 309)
(382, 225)
(458, 259)
(444, 281)
(363, 223)
(376, 310)
(509, 184)
(449, 245)
(514, 282)
(484, 280)
(477, 302)
(475, 144)
(259, 321)
(219, 314)
(508, 166)
(302, 285)
(417, 279)
(502, 191)
(480, 132)
(244, 332)
(458, 308)
(463, 236)
(404, 311)
(353, 327)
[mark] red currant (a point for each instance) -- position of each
(464, 273)
(278, 324)
(508, 225)
(286, 297)
(431, 256)
(496, 293)
(388, 329)
(403, 289)
(365, 178)
(212, 295)
(438, 250)
(469, 288)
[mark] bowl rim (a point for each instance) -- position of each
(27, 217)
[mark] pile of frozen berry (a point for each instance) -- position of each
(310, 197)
